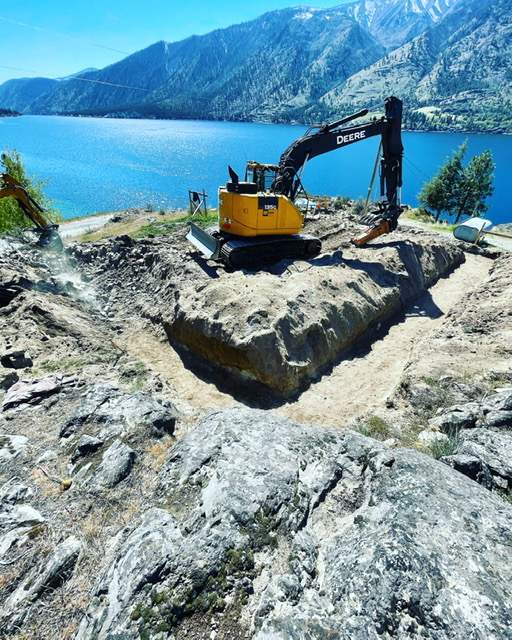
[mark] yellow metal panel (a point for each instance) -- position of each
(239, 214)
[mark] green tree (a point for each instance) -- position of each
(443, 192)
(459, 191)
(476, 186)
(12, 217)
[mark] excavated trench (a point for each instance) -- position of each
(274, 337)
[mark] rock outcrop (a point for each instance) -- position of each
(482, 435)
(294, 531)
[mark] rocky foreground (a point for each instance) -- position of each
(131, 510)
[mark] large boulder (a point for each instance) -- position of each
(112, 413)
(281, 326)
(273, 530)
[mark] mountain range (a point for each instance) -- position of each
(450, 61)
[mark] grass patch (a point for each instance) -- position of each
(376, 427)
(135, 376)
(161, 228)
(425, 217)
(441, 448)
(506, 495)
(73, 363)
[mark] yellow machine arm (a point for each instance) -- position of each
(371, 232)
(48, 236)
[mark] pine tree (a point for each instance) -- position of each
(476, 186)
(459, 191)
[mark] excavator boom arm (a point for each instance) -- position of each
(10, 187)
(329, 138)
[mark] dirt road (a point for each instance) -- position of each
(364, 382)
(78, 227)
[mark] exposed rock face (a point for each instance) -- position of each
(483, 450)
(281, 328)
(116, 464)
(114, 413)
(302, 532)
(57, 568)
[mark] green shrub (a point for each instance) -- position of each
(12, 217)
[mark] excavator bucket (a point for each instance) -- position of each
(371, 233)
(49, 238)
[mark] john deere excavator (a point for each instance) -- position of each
(258, 219)
(47, 232)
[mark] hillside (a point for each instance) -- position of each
(310, 65)
(311, 449)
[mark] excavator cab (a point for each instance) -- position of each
(262, 175)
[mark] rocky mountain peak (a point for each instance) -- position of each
(305, 64)
(394, 22)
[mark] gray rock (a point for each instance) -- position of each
(16, 524)
(54, 572)
(143, 561)
(501, 401)
(16, 493)
(458, 417)
(46, 456)
(85, 446)
(493, 449)
(471, 466)
(8, 380)
(493, 413)
(17, 359)
(497, 420)
(352, 541)
(12, 446)
(115, 466)
(430, 436)
(116, 413)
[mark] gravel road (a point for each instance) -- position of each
(83, 225)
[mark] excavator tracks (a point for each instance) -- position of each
(239, 253)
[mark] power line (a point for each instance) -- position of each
(413, 167)
(50, 75)
(111, 84)
(63, 35)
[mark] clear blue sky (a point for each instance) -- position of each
(63, 35)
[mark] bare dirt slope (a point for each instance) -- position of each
(361, 383)
(367, 379)
(364, 380)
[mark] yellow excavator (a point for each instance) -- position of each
(47, 232)
(258, 217)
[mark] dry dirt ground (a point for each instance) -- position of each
(426, 342)
(109, 340)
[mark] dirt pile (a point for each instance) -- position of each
(278, 325)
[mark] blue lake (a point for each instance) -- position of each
(97, 164)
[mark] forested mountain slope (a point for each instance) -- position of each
(449, 60)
